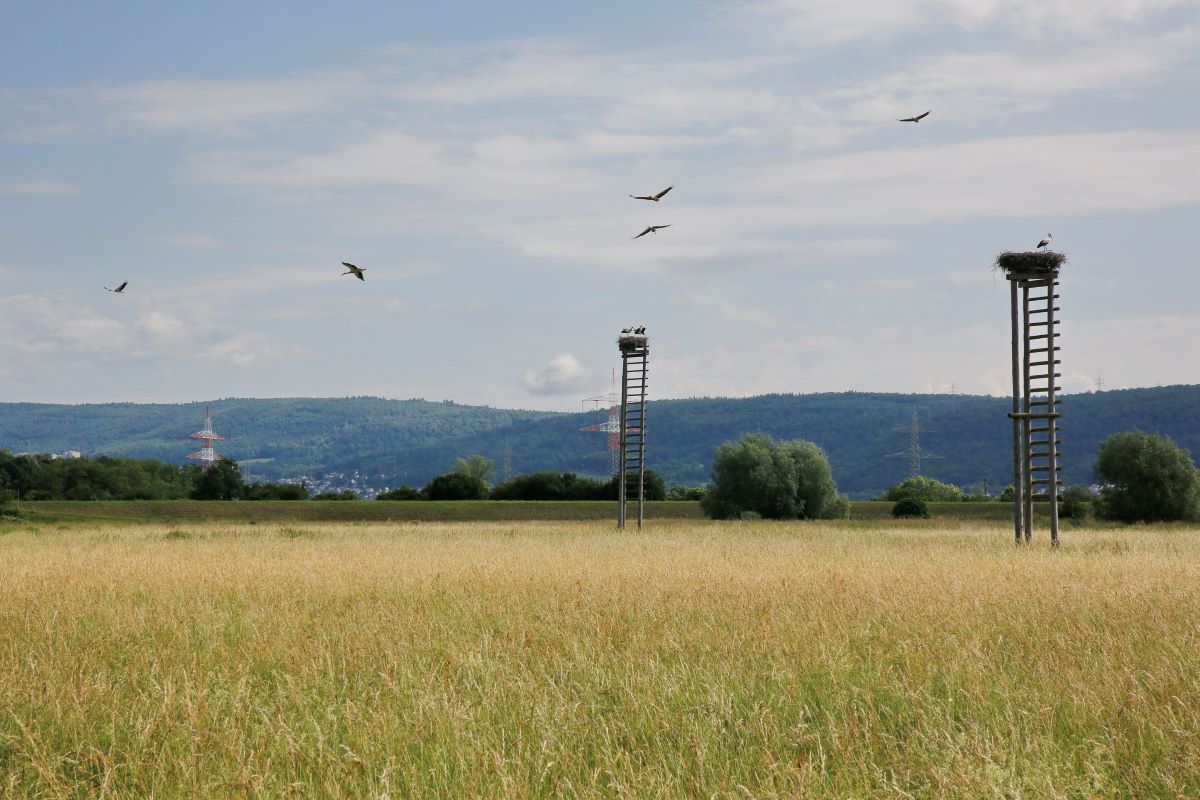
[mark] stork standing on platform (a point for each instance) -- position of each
(1045, 243)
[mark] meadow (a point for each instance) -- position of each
(123, 512)
(537, 659)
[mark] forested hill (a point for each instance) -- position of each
(279, 437)
(410, 441)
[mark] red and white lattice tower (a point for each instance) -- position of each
(612, 426)
(206, 455)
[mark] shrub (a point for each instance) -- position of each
(275, 491)
(777, 480)
(911, 508)
(345, 494)
(456, 486)
(1075, 503)
(550, 486)
(1147, 478)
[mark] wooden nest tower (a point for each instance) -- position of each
(631, 471)
(1033, 282)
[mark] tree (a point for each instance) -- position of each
(653, 485)
(1147, 478)
(401, 493)
(456, 486)
(221, 481)
(475, 467)
(681, 492)
(927, 489)
(785, 480)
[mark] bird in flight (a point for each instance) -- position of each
(917, 118)
(653, 197)
(651, 229)
(119, 289)
(1045, 242)
(355, 271)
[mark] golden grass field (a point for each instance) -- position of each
(567, 659)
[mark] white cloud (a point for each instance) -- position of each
(563, 375)
(966, 85)
(1043, 176)
(228, 105)
(835, 21)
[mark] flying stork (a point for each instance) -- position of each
(917, 118)
(355, 271)
(652, 197)
(651, 229)
(119, 289)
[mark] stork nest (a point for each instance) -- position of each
(1030, 262)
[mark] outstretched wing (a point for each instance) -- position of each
(348, 264)
(920, 117)
(663, 193)
(359, 274)
(121, 288)
(643, 233)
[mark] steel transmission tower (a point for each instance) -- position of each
(206, 455)
(913, 452)
(612, 426)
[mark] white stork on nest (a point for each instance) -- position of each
(1045, 243)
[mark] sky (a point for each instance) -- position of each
(477, 158)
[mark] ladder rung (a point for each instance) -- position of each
(1043, 324)
(1044, 349)
(1042, 310)
(1044, 363)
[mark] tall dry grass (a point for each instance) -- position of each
(515, 660)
